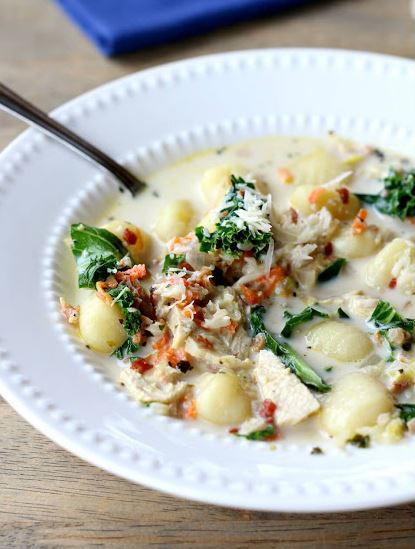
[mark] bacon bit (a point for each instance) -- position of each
(248, 253)
(179, 241)
(294, 216)
(232, 326)
(258, 343)
(251, 297)
(163, 342)
(102, 294)
(392, 283)
(70, 312)
(138, 338)
(129, 237)
(191, 410)
(264, 286)
(233, 430)
(198, 316)
(267, 410)
(204, 342)
(137, 272)
(111, 282)
(344, 195)
(285, 175)
(141, 365)
(174, 356)
(185, 265)
(359, 224)
(411, 220)
(328, 249)
(315, 195)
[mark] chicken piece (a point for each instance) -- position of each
(277, 383)
(160, 384)
(210, 358)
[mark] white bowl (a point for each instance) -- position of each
(151, 118)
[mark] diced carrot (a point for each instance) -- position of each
(251, 297)
(359, 224)
(191, 411)
(285, 175)
(315, 195)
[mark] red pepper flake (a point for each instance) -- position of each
(328, 249)
(392, 283)
(129, 237)
(234, 430)
(267, 410)
(141, 365)
(344, 195)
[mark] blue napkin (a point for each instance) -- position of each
(118, 26)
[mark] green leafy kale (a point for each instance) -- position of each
(229, 237)
(407, 412)
(97, 252)
(124, 298)
(361, 441)
(172, 261)
(385, 317)
(296, 320)
(398, 196)
(341, 313)
(332, 270)
(127, 350)
(287, 354)
(263, 434)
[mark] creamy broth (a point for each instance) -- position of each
(269, 162)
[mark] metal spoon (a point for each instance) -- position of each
(15, 104)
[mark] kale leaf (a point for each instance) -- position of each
(263, 434)
(407, 412)
(233, 235)
(386, 317)
(287, 354)
(124, 298)
(361, 441)
(398, 196)
(332, 270)
(296, 320)
(171, 261)
(127, 350)
(342, 314)
(97, 252)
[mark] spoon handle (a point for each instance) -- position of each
(17, 105)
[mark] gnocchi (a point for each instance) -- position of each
(174, 220)
(308, 199)
(339, 340)
(216, 181)
(100, 325)
(355, 401)
(134, 239)
(351, 246)
(221, 400)
(316, 168)
(379, 270)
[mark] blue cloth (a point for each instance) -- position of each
(118, 26)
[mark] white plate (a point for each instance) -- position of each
(151, 118)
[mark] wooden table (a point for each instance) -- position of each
(49, 498)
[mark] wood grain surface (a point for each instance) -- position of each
(49, 498)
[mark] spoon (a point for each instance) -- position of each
(15, 104)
